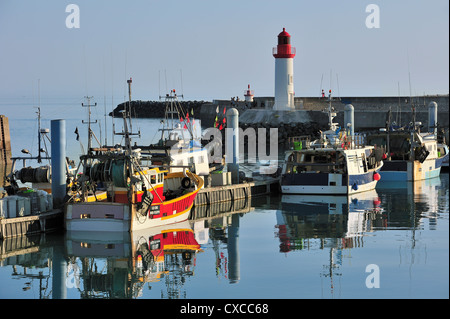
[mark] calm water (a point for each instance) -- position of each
(395, 240)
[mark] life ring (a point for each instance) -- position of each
(186, 182)
(376, 176)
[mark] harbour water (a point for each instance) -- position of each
(390, 243)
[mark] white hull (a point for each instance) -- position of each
(329, 190)
(118, 220)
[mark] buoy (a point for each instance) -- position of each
(376, 176)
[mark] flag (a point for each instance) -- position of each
(220, 128)
(187, 115)
(192, 111)
(76, 132)
(224, 109)
(185, 127)
(224, 120)
(181, 119)
(217, 109)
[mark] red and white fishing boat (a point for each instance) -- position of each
(116, 192)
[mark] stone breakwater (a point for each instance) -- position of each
(286, 130)
(371, 113)
(154, 109)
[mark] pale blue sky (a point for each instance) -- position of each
(220, 47)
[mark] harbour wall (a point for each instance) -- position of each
(308, 116)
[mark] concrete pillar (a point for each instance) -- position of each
(349, 119)
(432, 117)
(58, 154)
(232, 144)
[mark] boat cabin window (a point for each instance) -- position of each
(153, 179)
(325, 162)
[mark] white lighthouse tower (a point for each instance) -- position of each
(284, 72)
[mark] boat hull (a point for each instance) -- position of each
(118, 219)
(330, 184)
(408, 171)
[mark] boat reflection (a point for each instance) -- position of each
(410, 205)
(340, 224)
(159, 262)
(305, 219)
(119, 266)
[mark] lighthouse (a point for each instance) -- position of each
(284, 72)
(249, 95)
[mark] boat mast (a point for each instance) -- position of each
(89, 122)
(39, 157)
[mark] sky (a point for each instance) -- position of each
(213, 49)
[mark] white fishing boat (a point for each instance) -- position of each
(334, 164)
(180, 142)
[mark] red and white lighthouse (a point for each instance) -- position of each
(284, 72)
(249, 95)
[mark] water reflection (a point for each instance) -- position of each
(219, 225)
(29, 262)
(120, 265)
(341, 224)
(318, 221)
(306, 221)
(164, 262)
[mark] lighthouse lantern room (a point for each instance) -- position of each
(284, 72)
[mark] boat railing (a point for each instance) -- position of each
(299, 142)
(353, 142)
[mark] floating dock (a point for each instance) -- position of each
(218, 194)
(29, 225)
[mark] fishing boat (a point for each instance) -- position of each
(116, 192)
(180, 142)
(334, 164)
(408, 153)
